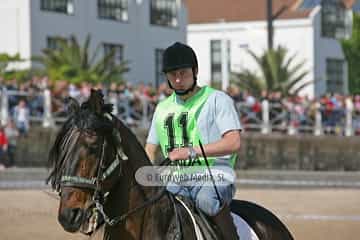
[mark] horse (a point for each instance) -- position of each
(93, 164)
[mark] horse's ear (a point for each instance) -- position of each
(72, 105)
(96, 101)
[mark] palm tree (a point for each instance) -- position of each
(278, 73)
(13, 72)
(71, 62)
(250, 81)
(351, 49)
(5, 59)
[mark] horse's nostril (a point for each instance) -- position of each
(71, 219)
(76, 215)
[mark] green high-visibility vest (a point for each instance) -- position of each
(176, 124)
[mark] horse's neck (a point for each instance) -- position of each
(132, 147)
(150, 220)
(117, 205)
(139, 194)
(135, 152)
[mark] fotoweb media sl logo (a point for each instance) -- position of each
(184, 175)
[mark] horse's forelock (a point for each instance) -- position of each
(62, 148)
(96, 103)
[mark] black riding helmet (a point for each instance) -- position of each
(179, 56)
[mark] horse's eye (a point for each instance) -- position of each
(91, 138)
(90, 133)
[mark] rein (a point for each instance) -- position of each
(116, 220)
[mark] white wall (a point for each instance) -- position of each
(15, 29)
(300, 36)
(138, 36)
(296, 35)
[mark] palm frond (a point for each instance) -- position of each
(299, 88)
(278, 72)
(71, 62)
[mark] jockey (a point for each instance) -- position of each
(190, 114)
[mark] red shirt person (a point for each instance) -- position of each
(3, 145)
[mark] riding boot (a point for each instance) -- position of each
(225, 223)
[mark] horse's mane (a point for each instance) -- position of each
(88, 116)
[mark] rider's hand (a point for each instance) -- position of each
(179, 154)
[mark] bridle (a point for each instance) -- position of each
(95, 184)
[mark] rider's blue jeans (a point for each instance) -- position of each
(205, 197)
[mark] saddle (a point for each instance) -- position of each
(204, 227)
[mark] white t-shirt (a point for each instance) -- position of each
(21, 115)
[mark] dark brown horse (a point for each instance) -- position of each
(94, 160)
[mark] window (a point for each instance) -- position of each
(159, 76)
(54, 42)
(333, 18)
(164, 12)
(113, 9)
(335, 75)
(118, 51)
(59, 6)
(307, 4)
(216, 59)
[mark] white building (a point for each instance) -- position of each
(139, 30)
(303, 27)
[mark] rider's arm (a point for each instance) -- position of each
(228, 124)
(152, 141)
(228, 144)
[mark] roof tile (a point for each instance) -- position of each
(205, 11)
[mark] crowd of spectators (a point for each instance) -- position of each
(29, 95)
(299, 111)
